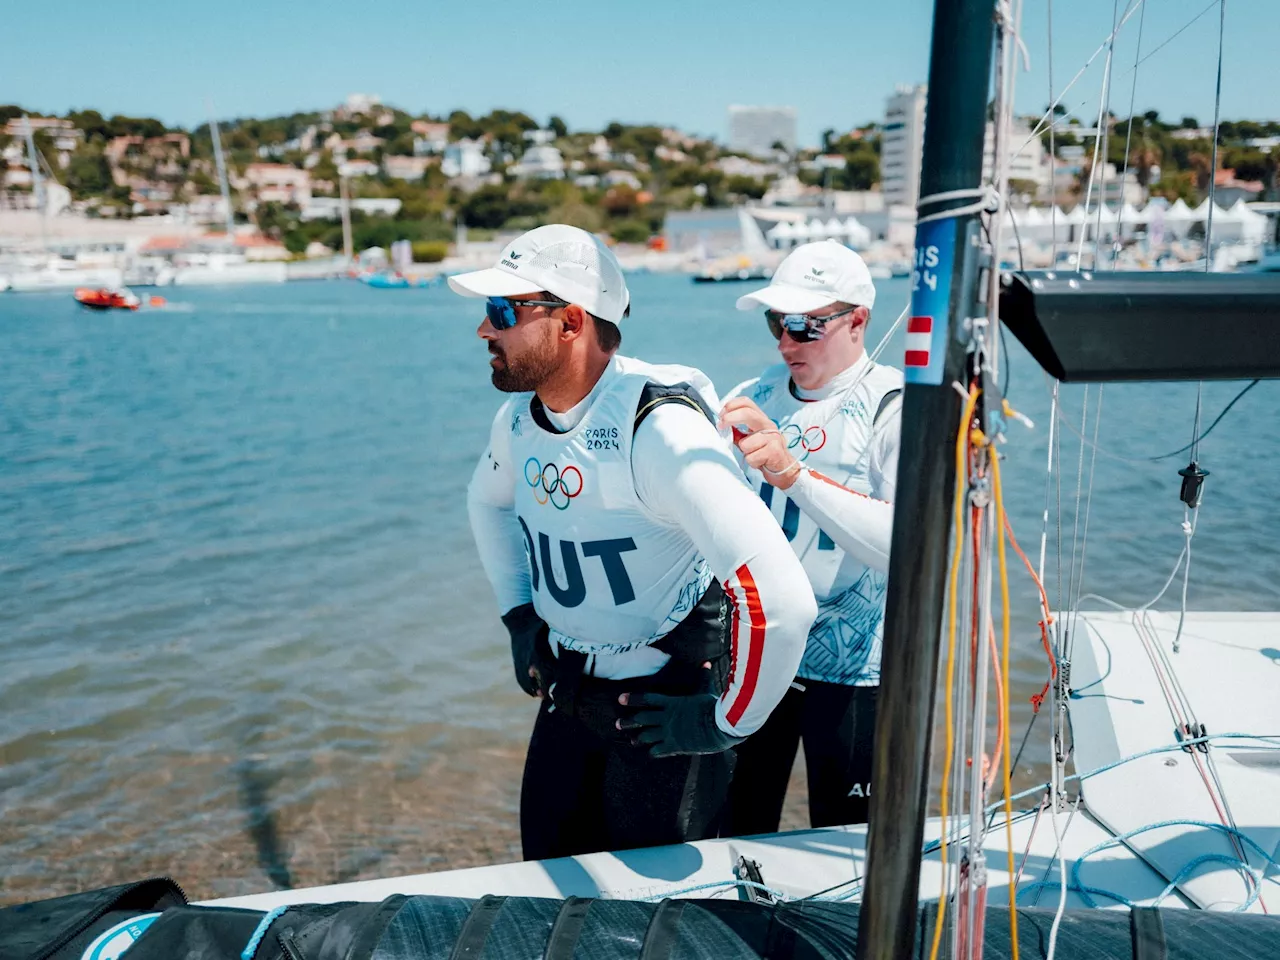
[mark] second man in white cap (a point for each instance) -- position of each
(818, 436)
(650, 597)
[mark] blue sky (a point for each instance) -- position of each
(670, 61)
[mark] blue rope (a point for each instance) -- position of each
(1185, 872)
(1084, 892)
(261, 931)
(1256, 875)
(776, 894)
(934, 845)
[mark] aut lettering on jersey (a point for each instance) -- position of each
(574, 591)
(791, 517)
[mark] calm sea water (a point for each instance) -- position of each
(244, 635)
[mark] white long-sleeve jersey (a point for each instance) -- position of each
(614, 536)
(838, 514)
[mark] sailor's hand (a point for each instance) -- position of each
(761, 442)
(530, 650)
(670, 726)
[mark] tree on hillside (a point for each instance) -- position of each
(559, 126)
(1202, 167)
(89, 173)
(1141, 160)
(122, 126)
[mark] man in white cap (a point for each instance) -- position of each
(818, 436)
(650, 597)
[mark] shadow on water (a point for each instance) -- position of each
(255, 783)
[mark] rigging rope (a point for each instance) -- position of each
(1104, 134)
(1217, 113)
(1061, 416)
(1053, 164)
(1002, 524)
(1128, 137)
(961, 453)
(1084, 536)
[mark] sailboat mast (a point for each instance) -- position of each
(222, 172)
(37, 181)
(944, 293)
(347, 247)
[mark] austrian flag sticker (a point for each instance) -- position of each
(919, 339)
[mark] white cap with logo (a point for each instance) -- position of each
(565, 261)
(813, 276)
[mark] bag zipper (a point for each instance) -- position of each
(102, 910)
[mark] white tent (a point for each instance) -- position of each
(835, 228)
(1228, 225)
(1109, 220)
(781, 234)
(801, 233)
(860, 235)
(1058, 223)
(1201, 213)
(1178, 219)
(1253, 223)
(1077, 215)
(817, 229)
(1130, 218)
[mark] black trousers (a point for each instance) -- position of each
(837, 725)
(587, 790)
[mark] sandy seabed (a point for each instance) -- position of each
(235, 825)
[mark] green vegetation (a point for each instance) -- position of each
(620, 181)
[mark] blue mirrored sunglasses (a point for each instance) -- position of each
(501, 311)
(801, 327)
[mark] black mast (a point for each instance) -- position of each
(945, 290)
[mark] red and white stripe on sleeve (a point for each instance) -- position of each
(747, 644)
(686, 474)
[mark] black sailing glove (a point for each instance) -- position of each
(530, 650)
(675, 725)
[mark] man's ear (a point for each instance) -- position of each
(572, 322)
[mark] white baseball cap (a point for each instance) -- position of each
(565, 261)
(813, 276)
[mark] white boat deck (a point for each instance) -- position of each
(1229, 666)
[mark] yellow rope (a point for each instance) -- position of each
(1004, 700)
(962, 477)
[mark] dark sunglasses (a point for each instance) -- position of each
(801, 327)
(502, 311)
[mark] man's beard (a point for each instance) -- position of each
(525, 374)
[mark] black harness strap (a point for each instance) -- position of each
(1147, 932)
(887, 399)
(655, 394)
(475, 930)
(567, 928)
(663, 931)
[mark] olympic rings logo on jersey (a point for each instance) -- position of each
(551, 484)
(810, 440)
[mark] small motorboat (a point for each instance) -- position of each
(106, 298)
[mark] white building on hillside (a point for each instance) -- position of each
(543, 162)
(279, 183)
(755, 130)
(1028, 158)
(465, 158)
(902, 145)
